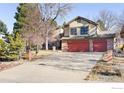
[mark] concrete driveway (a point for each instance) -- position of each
(60, 67)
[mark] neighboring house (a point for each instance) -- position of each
(119, 40)
(82, 35)
(55, 39)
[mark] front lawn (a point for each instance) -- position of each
(41, 54)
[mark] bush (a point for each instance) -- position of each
(11, 49)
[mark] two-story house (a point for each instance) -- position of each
(81, 35)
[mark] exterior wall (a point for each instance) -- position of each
(64, 45)
(110, 44)
(91, 45)
(77, 25)
(66, 31)
(91, 29)
(83, 23)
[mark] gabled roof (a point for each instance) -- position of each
(85, 19)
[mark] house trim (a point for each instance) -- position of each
(89, 21)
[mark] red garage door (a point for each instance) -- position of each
(78, 45)
(99, 45)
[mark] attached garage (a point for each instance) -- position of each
(87, 45)
(100, 45)
(78, 45)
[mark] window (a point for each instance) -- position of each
(73, 31)
(84, 30)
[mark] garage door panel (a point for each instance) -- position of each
(99, 45)
(78, 46)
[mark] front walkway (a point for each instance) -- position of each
(60, 67)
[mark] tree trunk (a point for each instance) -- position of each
(28, 51)
(29, 55)
(37, 49)
(20, 55)
(46, 45)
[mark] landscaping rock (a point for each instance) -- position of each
(107, 72)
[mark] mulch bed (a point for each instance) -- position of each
(107, 72)
(7, 65)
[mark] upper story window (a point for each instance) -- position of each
(73, 31)
(84, 30)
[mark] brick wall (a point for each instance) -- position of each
(64, 45)
(90, 45)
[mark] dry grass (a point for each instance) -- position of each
(106, 72)
(41, 54)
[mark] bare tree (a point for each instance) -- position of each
(121, 19)
(50, 12)
(120, 24)
(107, 20)
(33, 28)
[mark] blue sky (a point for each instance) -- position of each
(7, 12)
(92, 10)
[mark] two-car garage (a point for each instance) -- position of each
(87, 45)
